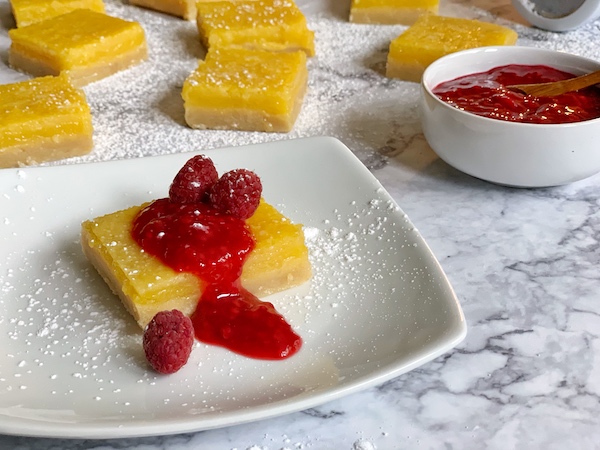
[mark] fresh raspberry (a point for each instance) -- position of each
(168, 341)
(237, 192)
(193, 180)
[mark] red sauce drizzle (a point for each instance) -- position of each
(485, 94)
(196, 238)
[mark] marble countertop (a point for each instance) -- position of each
(523, 262)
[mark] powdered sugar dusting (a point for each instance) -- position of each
(139, 112)
(48, 310)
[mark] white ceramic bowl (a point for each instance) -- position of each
(563, 15)
(508, 153)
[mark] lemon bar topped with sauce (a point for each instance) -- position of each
(27, 12)
(432, 37)
(85, 44)
(276, 25)
(253, 90)
(43, 119)
(404, 12)
(146, 285)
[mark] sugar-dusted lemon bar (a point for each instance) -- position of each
(276, 25)
(43, 119)
(253, 90)
(84, 44)
(27, 12)
(404, 12)
(432, 37)
(146, 286)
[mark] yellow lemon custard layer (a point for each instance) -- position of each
(85, 44)
(404, 12)
(432, 37)
(275, 25)
(250, 90)
(43, 119)
(146, 286)
(27, 12)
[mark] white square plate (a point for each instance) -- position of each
(71, 360)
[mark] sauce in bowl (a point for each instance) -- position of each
(486, 94)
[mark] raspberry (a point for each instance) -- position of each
(168, 341)
(237, 192)
(193, 180)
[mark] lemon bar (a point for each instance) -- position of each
(43, 119)
(252, 90)
(432, 37)
(404, 12)
(146, 286)
(27, 12)
(85, 44)
(275, 25)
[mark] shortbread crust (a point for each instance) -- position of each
(80, 76)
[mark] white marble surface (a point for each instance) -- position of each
(524, 263)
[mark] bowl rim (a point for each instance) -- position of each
(427, 89)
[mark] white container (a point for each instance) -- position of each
(508, 153)
(558, 15)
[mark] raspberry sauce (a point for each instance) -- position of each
(196, 238)
(247, 325)
(485, 94)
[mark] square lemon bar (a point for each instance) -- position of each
(43, 119)
(146, 286)
(252, 90)
(85, 44)
(27, 12)
(432, 37)
(404, 12)
(276, 25)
